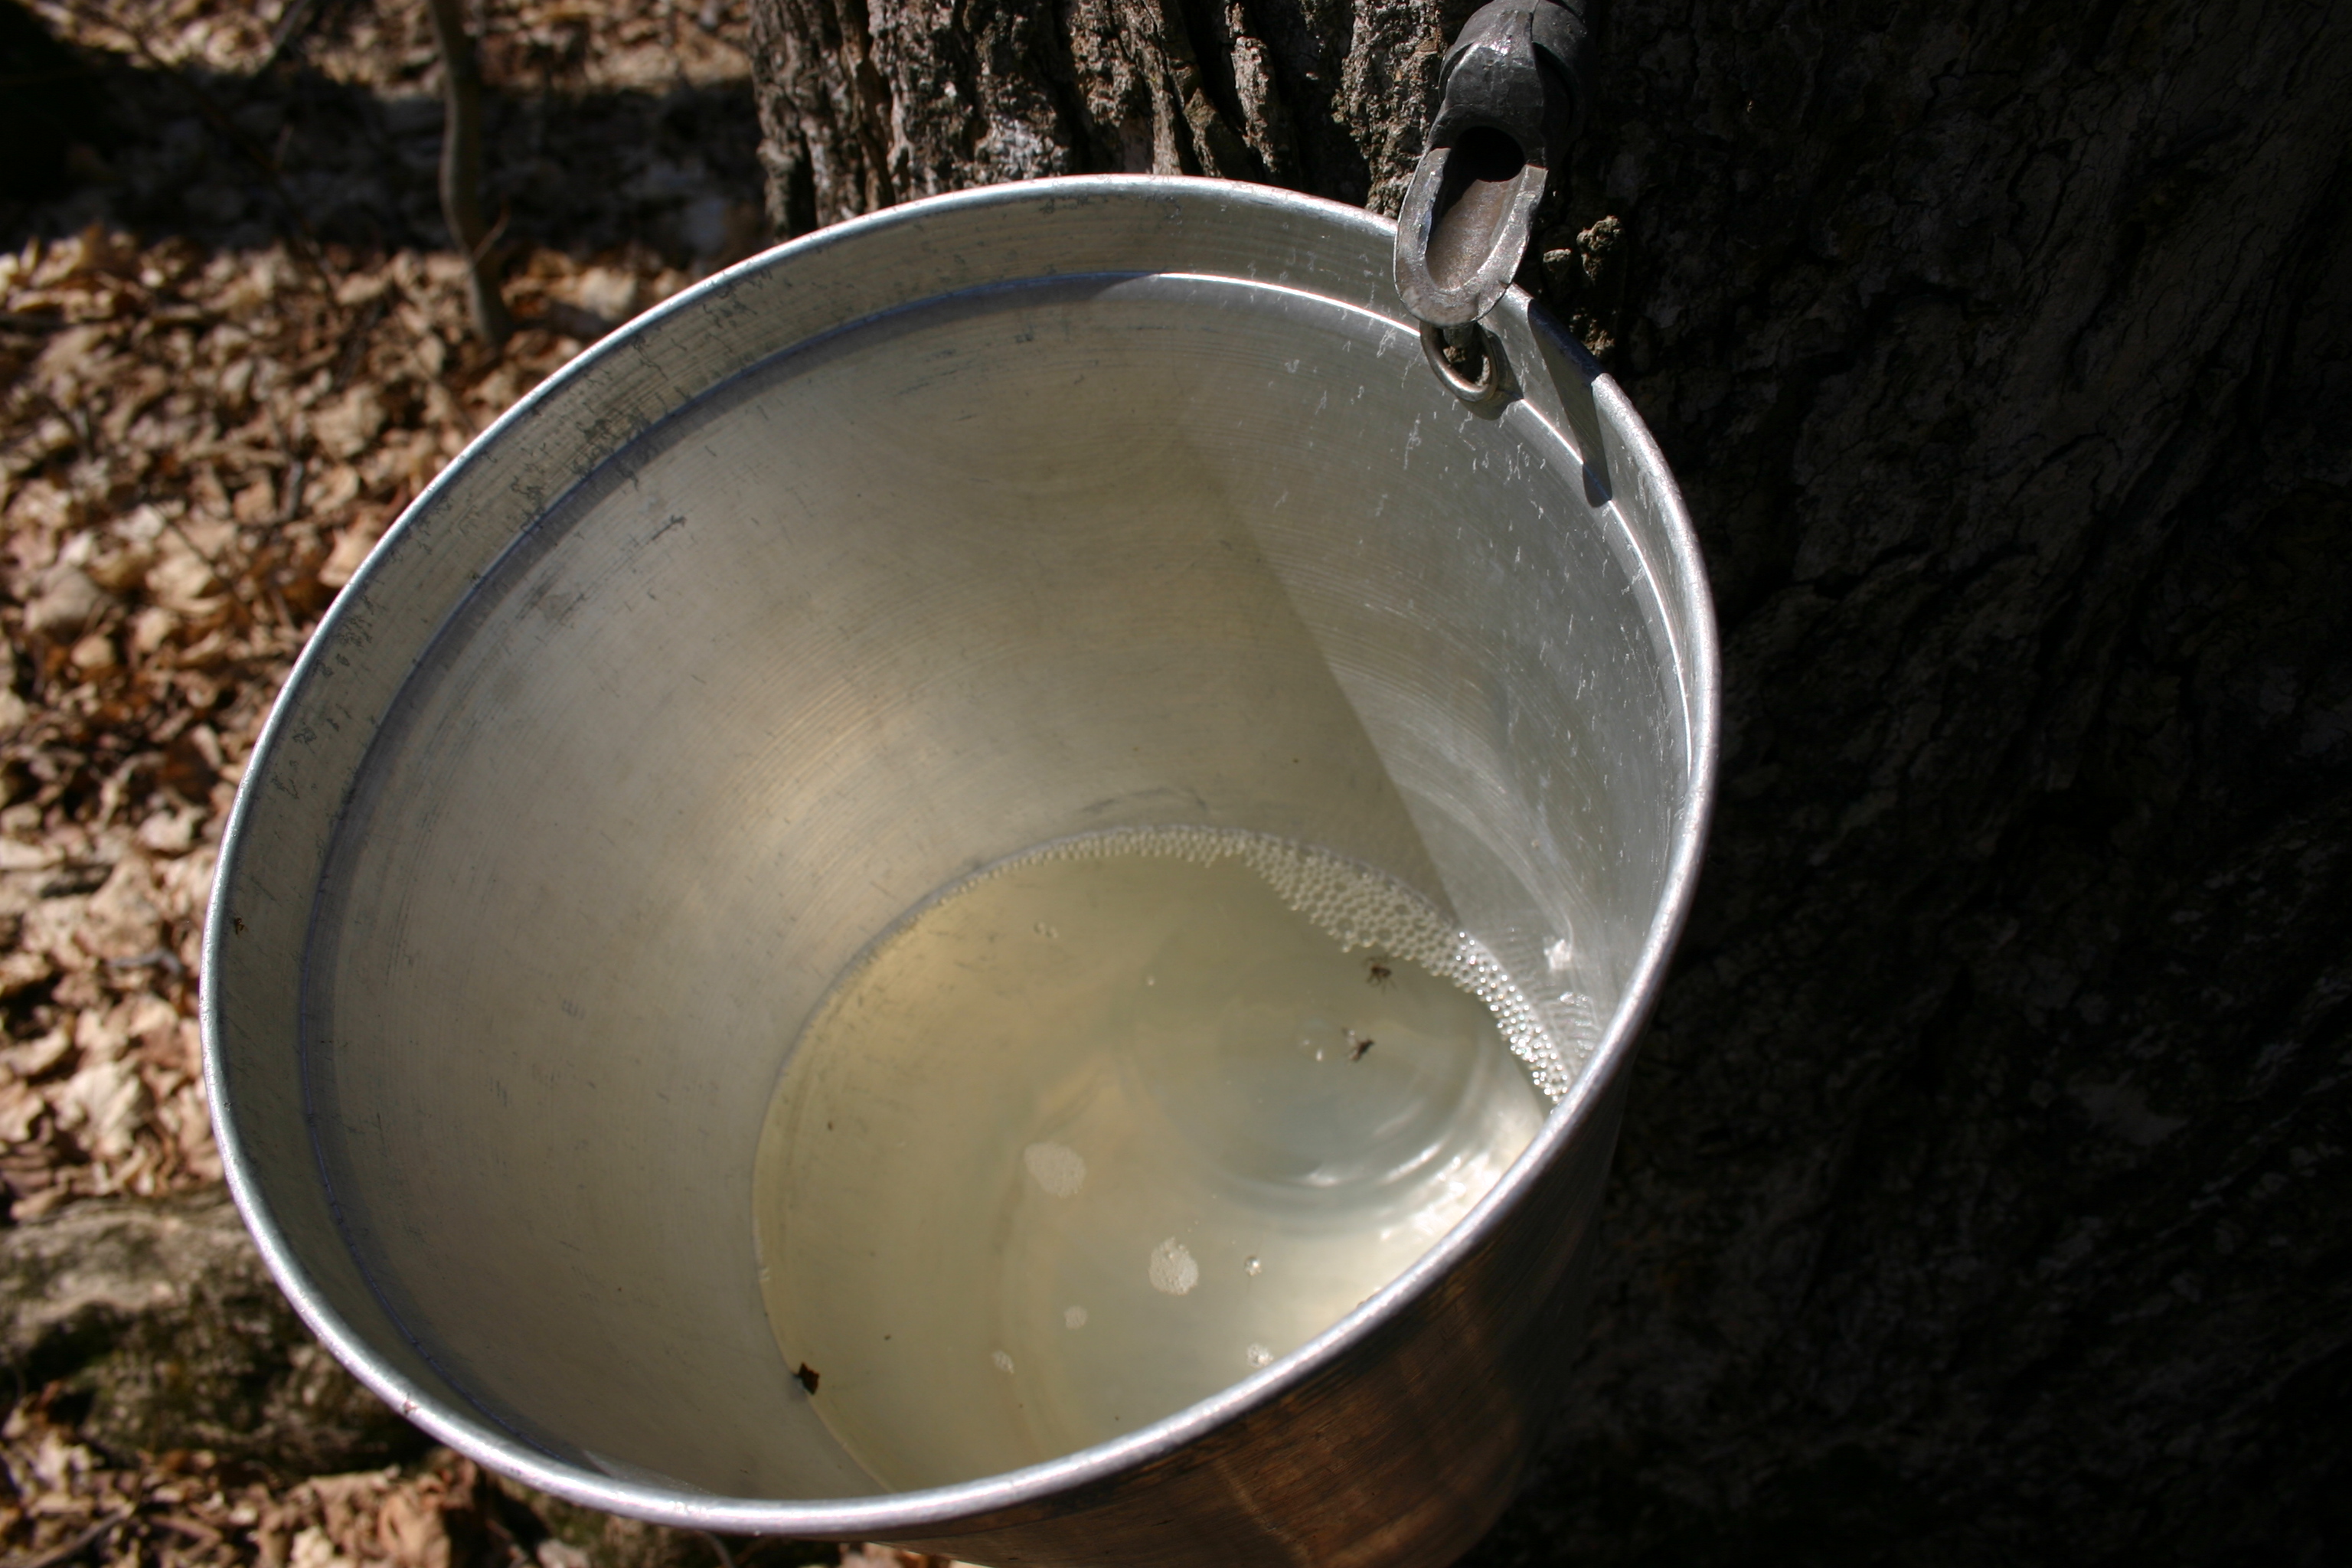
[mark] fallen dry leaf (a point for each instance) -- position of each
(227, 360)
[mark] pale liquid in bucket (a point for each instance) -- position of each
(1111, 1126)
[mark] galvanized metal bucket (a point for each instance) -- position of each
(981, 521)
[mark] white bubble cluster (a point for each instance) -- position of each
(1474, 969)
(1356, 906)
(1056, 1167)
(1172, 1271)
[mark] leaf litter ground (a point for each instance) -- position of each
(230, 353)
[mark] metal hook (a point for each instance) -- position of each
(1436, 340)
(1512, 100)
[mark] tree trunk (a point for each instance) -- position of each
(1983, 1195)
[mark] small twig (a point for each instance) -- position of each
(496, 232)
(158, 959)
(220, 569)
(355, 341)
(77, 419)
(286, 620)
(199, 551)
(194, 1529)
(290, 506)
(291, 26)
(461, 168)
(71, 1549)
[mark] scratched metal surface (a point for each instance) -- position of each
(1018, 513)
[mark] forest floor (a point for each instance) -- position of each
(233, 346)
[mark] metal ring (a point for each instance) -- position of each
(1490, 375)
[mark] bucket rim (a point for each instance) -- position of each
(1013, 1496)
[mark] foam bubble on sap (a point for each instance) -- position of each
(1003, 1363)
(1073, 1317)
(1356, 906)
(1173, 1272)
(1056, 1167)
(1258, 1355)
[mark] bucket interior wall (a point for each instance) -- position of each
(993, 570)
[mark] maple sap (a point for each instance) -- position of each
(1107, 1127)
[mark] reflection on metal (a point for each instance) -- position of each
(983, 521)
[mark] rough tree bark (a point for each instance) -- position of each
(1984, 1193)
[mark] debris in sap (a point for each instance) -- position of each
(807, 1375)
(1133, 1114)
